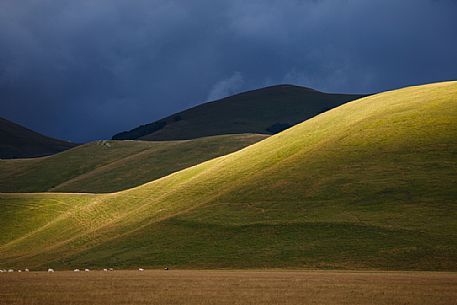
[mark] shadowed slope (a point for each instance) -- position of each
(370, 184)
(19, 142)
(267, 110)
(109, 166)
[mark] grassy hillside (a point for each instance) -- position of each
(110, 166)
(267, 110)
(370, 184)
(19, 142)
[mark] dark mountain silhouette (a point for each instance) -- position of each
(17, 141)
(268, 110)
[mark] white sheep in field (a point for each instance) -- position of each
(140, 269)
(19, 270)
(50, 270)
(76, 270)
(105, 270)
(10, 270)
(111, 269)
(87, 270)
(26, 270)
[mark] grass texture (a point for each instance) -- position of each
(228, 287)
(367, 185)
(110, 166)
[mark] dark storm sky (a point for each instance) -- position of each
(84, 70)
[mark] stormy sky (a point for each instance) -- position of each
(84, 70)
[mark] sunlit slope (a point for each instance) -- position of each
(370, 184)
(108, 166)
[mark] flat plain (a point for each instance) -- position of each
(228, 287)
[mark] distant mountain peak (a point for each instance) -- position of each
(256, 111)
(274, 89)
(17, 141)
(290, 86)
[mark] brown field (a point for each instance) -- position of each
(228, 287)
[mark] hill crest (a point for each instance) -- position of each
(368, 185)
(17, 141)
(266, 110)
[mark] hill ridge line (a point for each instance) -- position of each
(349, 188)
(100, 168)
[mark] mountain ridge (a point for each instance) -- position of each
(20, 142)
(253, 111)
(114, 165)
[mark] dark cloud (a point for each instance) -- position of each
(86, 69)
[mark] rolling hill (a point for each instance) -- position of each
(19, 142)
(111, 166)
(268, 110)
(367, 185)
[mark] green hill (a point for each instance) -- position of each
(368, 185)
(268, 110)
(110, 166)
(19, 142)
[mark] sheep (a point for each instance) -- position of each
(10, 270)
(76, 270)
(166, 268)
(1, 271)
(26, 270)
(105, 270)
(19, 270)
(111, 269)
(50, 270)
(87, 270)
(140, 269)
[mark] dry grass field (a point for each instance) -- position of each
(228, 287)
